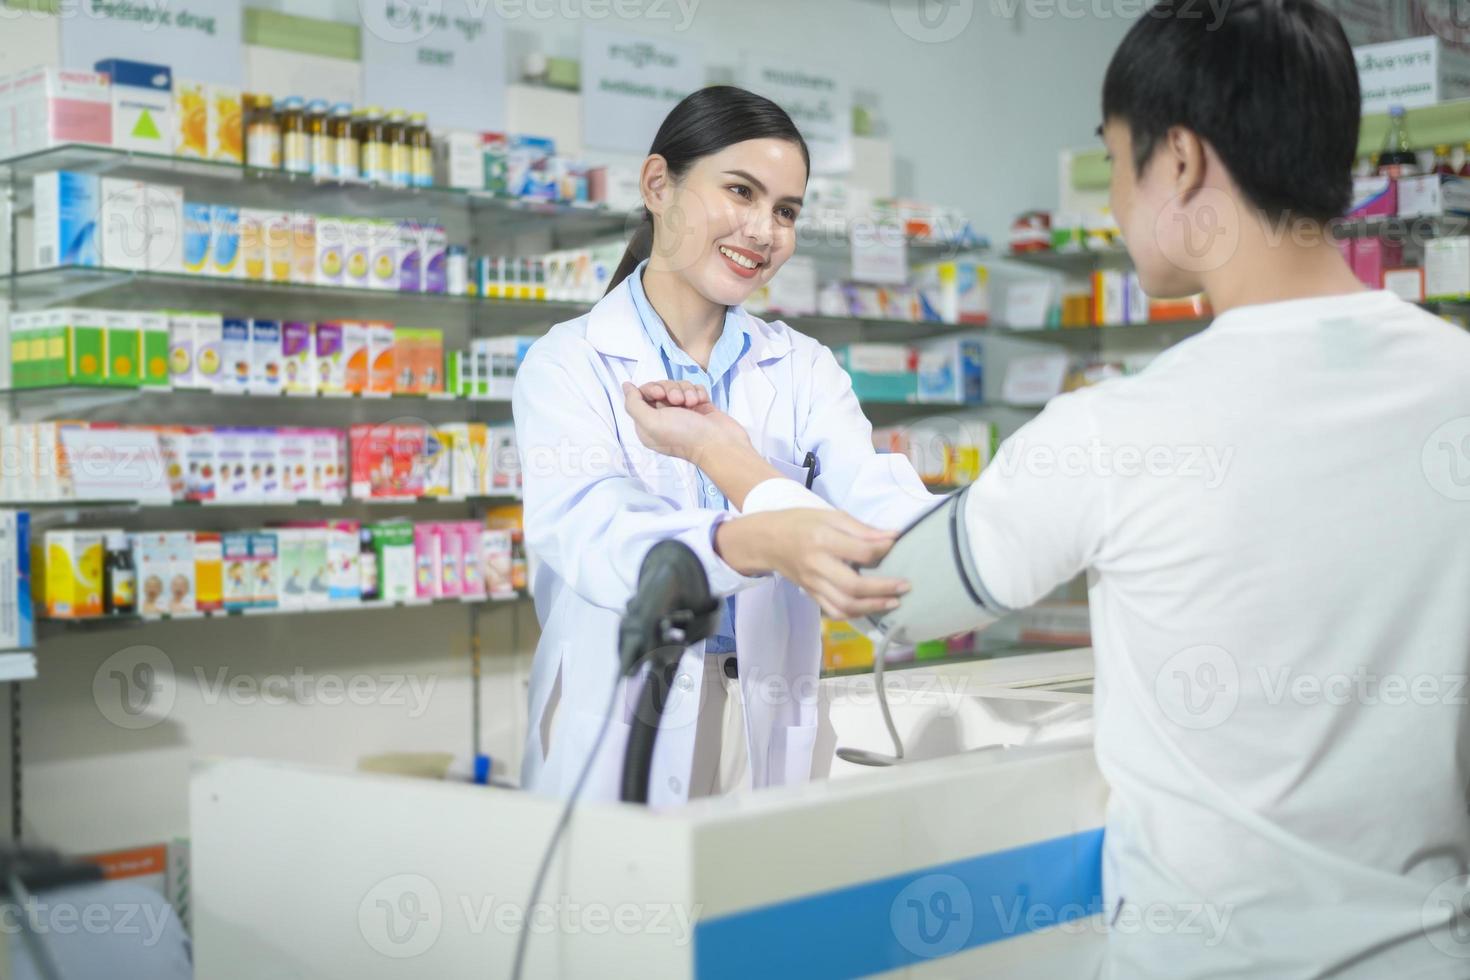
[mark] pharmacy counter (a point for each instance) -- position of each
(979, 864)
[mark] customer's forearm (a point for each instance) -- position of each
(736, 469)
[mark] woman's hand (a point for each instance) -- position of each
(817, 550)
(677, 418)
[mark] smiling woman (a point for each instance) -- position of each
(668, 370)
(700, 184)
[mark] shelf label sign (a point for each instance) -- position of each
(202, 38)
(442, 57)
(818, 101)
(629, 84)
(1407, 73)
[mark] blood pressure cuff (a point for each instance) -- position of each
(946, 595)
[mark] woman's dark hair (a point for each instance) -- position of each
(1272, 85)
(706, 122)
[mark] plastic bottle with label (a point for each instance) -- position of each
(1398, 158)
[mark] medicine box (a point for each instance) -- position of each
(226, 124)
(266, 587)
(239, 571)
(1446, 268)
(290, 544)
(142, 105)
(73, 574)
(1374, 197)
(224, 243)
(381, 357)
(1434, 195)
(123, 345)
(427, 558)
(265, 357)
(355, 356)
(17, 614)
(209, 350)
(153, 329)
(198, 232)
(410, 258)
(880, 372)
(383, 255)
(331, 251)
(331, 367)
(950, 372)
(49, 107)
(344, 581)
(451, 559)
(236, 356)
(152, 559)
(191, 114)
(303, 248)
(208, 571)
(298, 358)
(181, 571)
(141, 226)
(68, 211)
(394, 545)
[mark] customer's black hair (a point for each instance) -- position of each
(1272, 85)
(703, 123)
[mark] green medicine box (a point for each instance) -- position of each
(154, 362)
(124, 342)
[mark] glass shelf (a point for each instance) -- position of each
(249, 186)
(349, 398)
(1075, 263)
(61, 284)
(268, 504)
(1155, 331)
(138, 619)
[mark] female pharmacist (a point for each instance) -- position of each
(722, 185)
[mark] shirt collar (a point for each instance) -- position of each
(734, 339)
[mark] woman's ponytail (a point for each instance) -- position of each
(640, 247)
(704, 123)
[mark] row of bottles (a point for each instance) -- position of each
(1399, 158)
(338, 142)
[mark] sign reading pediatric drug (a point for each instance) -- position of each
(442, 57)
(818, 101)
(199, 39)
(629, 84)
(1407, 73)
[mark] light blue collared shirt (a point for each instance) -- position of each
(731, 347)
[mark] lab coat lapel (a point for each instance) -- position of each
(752, 391)
(614, 330)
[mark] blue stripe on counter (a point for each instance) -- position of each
(920, 915)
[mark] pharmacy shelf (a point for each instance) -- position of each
(1071, 263)
(105, 393)
(1416, 230)
(1155, 331)
(17, 665)
(250, 504)
(210, 181)
(138, 619)
(64, 284)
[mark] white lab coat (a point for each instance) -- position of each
(596, 500)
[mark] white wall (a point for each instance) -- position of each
(976, 120)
